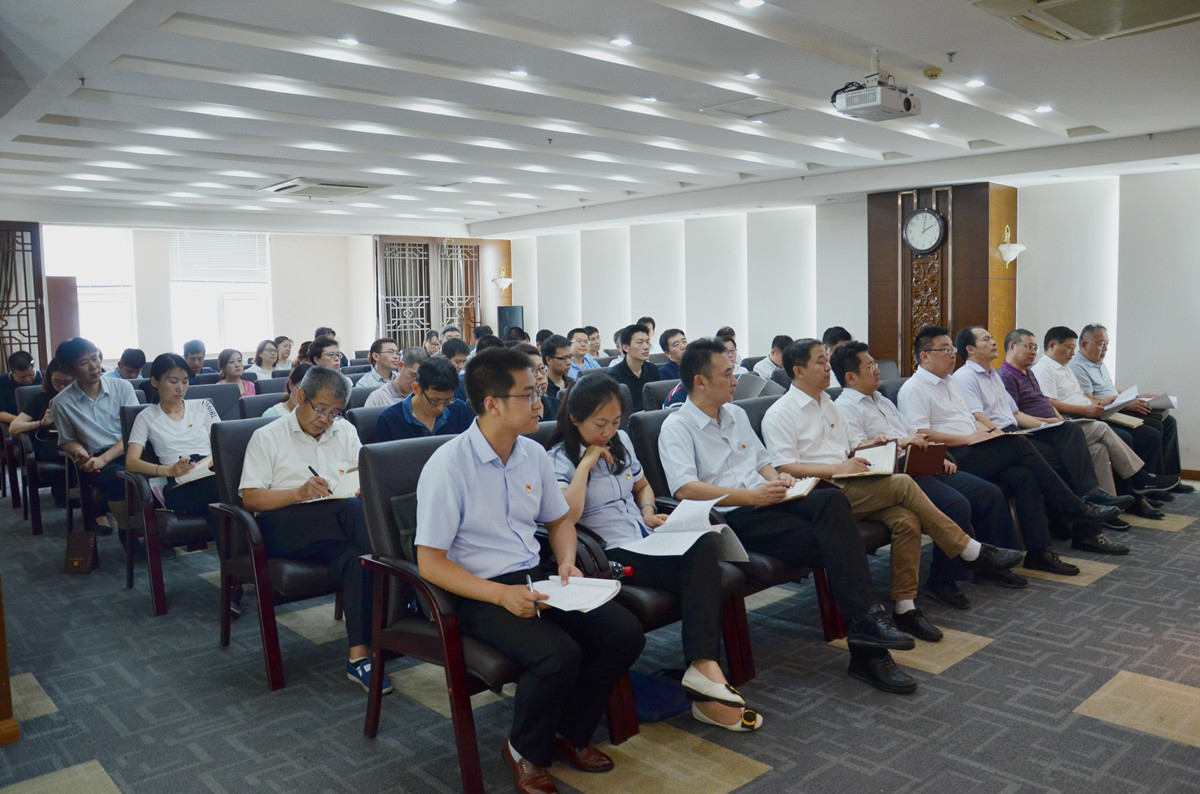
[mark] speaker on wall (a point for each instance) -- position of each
(509, 316)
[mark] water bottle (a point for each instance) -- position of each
(620, 571)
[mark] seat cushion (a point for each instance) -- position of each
(762, 572)
(294, 579)
(177, 529)
(657, 608)
(417, 637)
(875, 535)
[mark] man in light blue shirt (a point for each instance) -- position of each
(479, 500)
(581, 361)
(129, 367)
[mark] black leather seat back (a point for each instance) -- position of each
(655, 394)
(229, 442)
(25, 395)
(224, 398)
(781, 377)
(387, 470)
(364, 421)
(834, 392)
(644, 428)
(749, 361)
(359, 395)
(756, 409)
(891, 388)
(544, 432)
(888, 369)
(271, 385)
(252, 407)
(129, 413)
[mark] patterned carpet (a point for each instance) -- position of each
(1066, 686)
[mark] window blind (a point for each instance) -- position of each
(215, 257)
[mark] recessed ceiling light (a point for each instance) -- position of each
(184, 194)
(757, 121)
(620, 41)
(521, 196)
(400, 197)
(651, 99)
(441, 209)
(976, 83)
(486, 180)
(367, 206)
(750, 3)
(73, 188)
(280, 200)
(840, 139)
(537, 169)
(318, 146)
(388, 171)
(441, 189)
(157, 204)
(519, 73)
(210, 185)
(753, 75)
(93, 177)
(251, 208)
(434, 158)
(406, 215)
(444, 2)
(114, 164)
(243, 174)
(349, 41)
(142, 150)
(178, 132)
(481, 203)
(1042, 109)
(934, 124)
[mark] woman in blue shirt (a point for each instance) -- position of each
(607, 492)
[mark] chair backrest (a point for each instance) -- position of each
(388, 470)
(224, 398)
(363, 354)
(749, 361)
(603, 361)
(281, 373)
(356, 368)
(211, 363)
(360, 361)
(146, 369)
(25, 395)
(751, 385)
(208, 378)
(658, 359)
(611, 352)
(229, 442)
(756, 409)
(250, 376)
(364, 421)
(781, 377)
(654, 394)
(891, 388)
(128, 414)
(627, 401)
(271, 385)
(834, 392)
(888, 369)
(358, 396)
(354, 377)
(253, 406)
(644, 428)
(544, 432)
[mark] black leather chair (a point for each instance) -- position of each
(271, 385)
(610, 352)
(658, 359)
(364, 421)
(389, 473)
(655, 394)
(363, 354)
(357, 369)
(281, 373)
(834, 392)
(38, 473)
(358, 396)
(250, 376)
(544, 433)
(208, 378)
(749, 361)
(161, 528)
(751, 385)
(224, 397)
(361, 361)
(781, 377)
(252, 407)
(11, 466)
(244, 558)
(603, 361)
(211, 363)
(891, 389)
(354, 377)
(888, 369)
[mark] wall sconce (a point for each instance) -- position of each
(1008, 249)
(502, 281)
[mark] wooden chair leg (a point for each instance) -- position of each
(10, 462)
(739, 654)
(266, 623)
(33, 500)
(337, 606)
(622, 714)
(378, 616)
(154, 552)
(831, 617)
(463, 719)
(227, 582)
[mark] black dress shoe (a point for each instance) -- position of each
(1002, 579)
(1099, 496)
(1047, 560)
(1099, 544)
(1183, 487)
(1159, 499)
(947, 592)
(915, 623)
(880, 671)
(1117, 524)
(874, 629)
(1142, 508)
(1089, 511)
(1151, 484)
(992, 558)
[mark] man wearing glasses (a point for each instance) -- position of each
(556, 355)
(431, 409)
(292, 465)
(479, 501)
(384, 356)
(934, 404)
(581, 359)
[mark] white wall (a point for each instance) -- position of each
(714, 251)
(152, 290)
(1157, 288)
(604, 281)
(841, 269)
(362, 302)
(525, 280)
(781, 277)
(657, 278)
(559, 301)
(310, 286)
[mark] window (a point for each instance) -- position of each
(101, 260)
(220, 290)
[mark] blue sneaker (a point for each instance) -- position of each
(360, 673)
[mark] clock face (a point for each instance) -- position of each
(924, 230)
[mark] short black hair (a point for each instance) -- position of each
(965, 338)
(697, 360)
(1090, 329)
(647, 320)
(132, 357)
(486, 341)
(450, 327)
(574, 331)
(192, 347)
(21, 361)
(552, 344)
(481, 331)
(323, 331)
(726, 330)
(1057, 335)
(318, 347)
(923, 342)
(781, 342)
(542, 336)
(798, 354)
(517, 333)
(664, 339)
(845, 359)
(455, 347)
(591, 329)
(628, 331)
(490, 374)
(835, 334)
(72, 350)
(432, 335)
(377, 347)
(437, 373)
(1014, 336)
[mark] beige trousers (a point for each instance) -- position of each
(1124, 460)
(898, 502)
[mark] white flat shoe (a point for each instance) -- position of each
(751, 720)
(699, 687)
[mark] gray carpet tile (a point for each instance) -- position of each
(163, 708)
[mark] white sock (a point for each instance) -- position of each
(905, 605)
(516, 756)
(359, 660)
(971, 552)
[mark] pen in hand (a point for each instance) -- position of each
(529, 581)
(314, 472)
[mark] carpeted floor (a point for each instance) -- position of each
(1064, 686)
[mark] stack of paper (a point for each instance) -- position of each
(579, 594)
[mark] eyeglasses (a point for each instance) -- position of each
(332, 416)
(559, 358)
(1030, 346)
(438, 403)
(872, 367)
(949, 350)
(532, 398)
(390, 352)
(542, 370)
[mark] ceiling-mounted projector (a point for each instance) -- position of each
(877, 98)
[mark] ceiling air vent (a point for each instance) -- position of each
(318, 188)
(1083, 21)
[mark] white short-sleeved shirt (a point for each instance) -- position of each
(695, 448)
(871, 416)
(279, 454)
(932, 403)
(765, 368)
(483, 513)
(172, 439)
(609, 508)
(1058, 382)
(799, 429)
(984, 391)
(96, 424)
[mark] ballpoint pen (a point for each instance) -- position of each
(529, 581)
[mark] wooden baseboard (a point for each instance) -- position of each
(10, 731)
(1191, 474)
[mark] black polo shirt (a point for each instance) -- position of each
(623, 374)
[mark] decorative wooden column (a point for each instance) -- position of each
(10, 731)
(964, 281)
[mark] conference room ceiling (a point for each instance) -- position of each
(491, 111)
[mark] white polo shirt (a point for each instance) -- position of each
(1058, 382)
(695, 448)
(932, 403)
(871, 416)
(799, 429)
(280, 453)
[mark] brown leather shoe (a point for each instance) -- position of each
(528, 777)
(589, 759)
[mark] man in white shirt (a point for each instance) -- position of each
(400, 386)
(807, 436)
(299, 458)
(710, 451)
(768, 366)
(977, 506)
(384, 356)
(933, 403)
